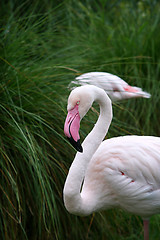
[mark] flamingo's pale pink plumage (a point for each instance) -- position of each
(119, 172)
(114, 86)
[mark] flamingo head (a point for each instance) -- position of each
(79, 102)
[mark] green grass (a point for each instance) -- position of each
(43, 46)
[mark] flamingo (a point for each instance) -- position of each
(119, 172)
(115, 87)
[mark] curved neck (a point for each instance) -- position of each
(72, 189)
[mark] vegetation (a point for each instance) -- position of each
(43, 46)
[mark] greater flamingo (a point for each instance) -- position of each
(118, 172)
(114, 86)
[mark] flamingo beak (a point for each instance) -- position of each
(71, 128)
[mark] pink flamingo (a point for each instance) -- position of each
(119, 172)
(114, 86)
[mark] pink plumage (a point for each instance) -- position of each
(126, 171)
(114, 86)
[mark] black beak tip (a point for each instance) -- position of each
(76, 145)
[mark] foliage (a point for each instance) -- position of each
(43, 46)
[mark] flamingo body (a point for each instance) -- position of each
(114, 86)
(124, 172)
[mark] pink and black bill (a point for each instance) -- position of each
(71, 128)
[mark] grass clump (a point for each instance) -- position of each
(44, 45)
